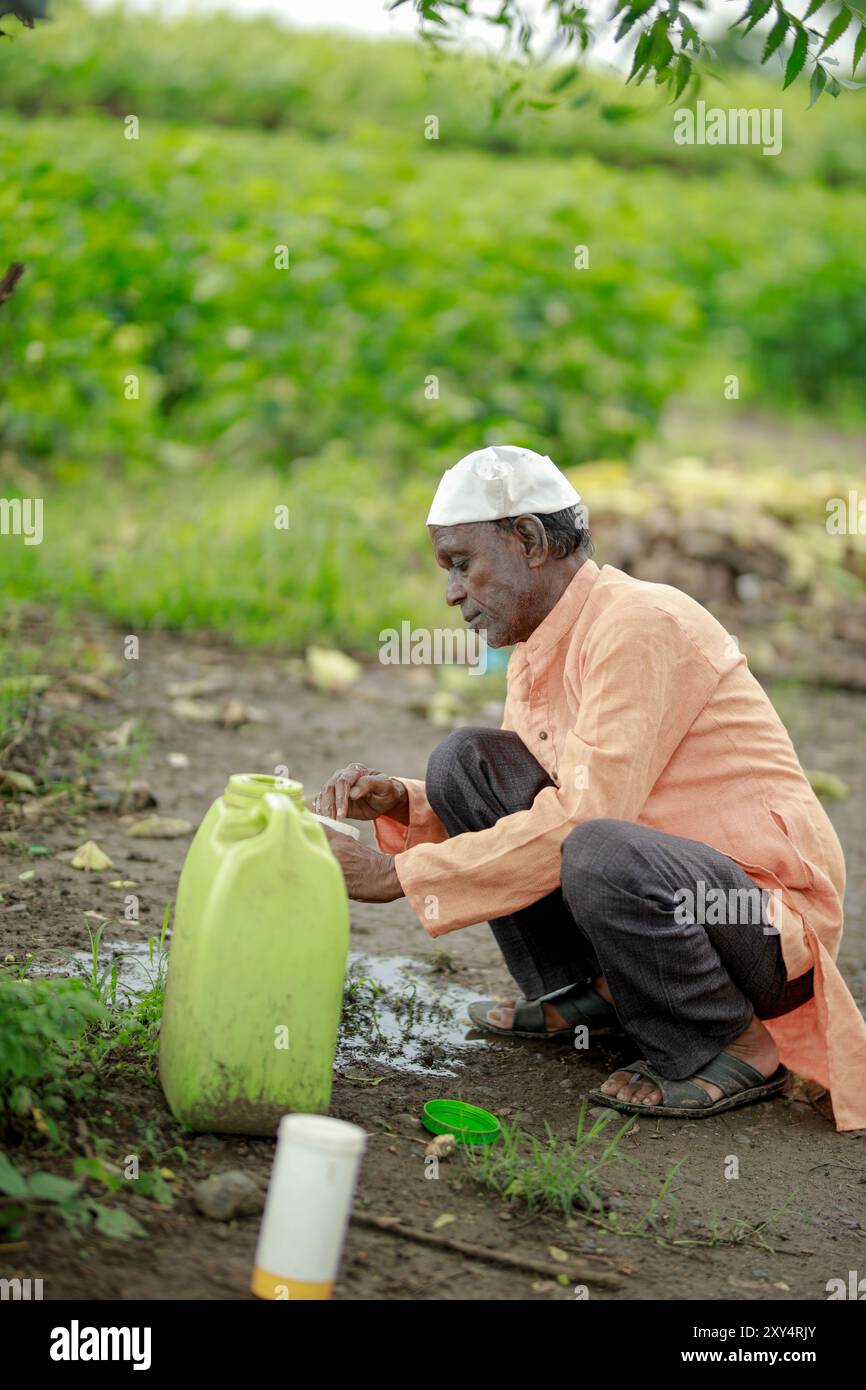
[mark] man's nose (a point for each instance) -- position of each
(455, 592)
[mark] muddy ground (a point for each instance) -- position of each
(790, 1156)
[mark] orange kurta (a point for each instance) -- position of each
(639, 706)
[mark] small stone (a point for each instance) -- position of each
(760, 1273)
(225, 1195)
(139, 797)
(410, 1121)
(525, 1117)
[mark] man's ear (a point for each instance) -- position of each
(533, 538)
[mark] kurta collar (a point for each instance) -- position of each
(564, 614)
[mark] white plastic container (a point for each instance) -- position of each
(308, 1207)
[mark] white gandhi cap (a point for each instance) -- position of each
(502, 480)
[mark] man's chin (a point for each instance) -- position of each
(492, 636)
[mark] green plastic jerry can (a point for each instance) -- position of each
(256, 964)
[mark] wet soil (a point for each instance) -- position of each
(793, 1219)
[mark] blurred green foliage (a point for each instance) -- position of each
(155, 259)
(152, 261)
(258, 73)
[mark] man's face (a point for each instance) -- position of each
(491, 579)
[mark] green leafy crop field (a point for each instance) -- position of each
(281, 293)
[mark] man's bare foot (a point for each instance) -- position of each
(502, 1015)
(754, 1046)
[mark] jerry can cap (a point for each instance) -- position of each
(468, 1123)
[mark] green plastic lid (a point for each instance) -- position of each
(468, 1123)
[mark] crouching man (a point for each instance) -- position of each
(639, 833)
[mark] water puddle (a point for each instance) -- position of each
(397, 1012)
(124, 970)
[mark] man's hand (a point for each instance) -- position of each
(370, 876)
(358, 792)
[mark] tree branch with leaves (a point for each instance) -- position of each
(671, 47)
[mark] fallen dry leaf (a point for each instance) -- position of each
(803, 1092)
(330, 671)
(62, 699)
(444, 1220)
(178, 760)
(441, 1146)
(233, 713)
(90, 856)
(89, 685)
(195, 711)
(121, 735)
(123, 883)
(17, 781)
(556, 1254)
(32, 810)
(27, 875)
(160, 828)
(204, 685)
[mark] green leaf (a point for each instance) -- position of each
(690, 34)
(859, 48)
(836, 29)
(684, 72)
(642, 48)
(755, 13)
(565, 79)
(630, 17)
(775, 36)
(48, 1187)
(661, 51)
(115, 1222)
(12, 1183)
(95, 1168)
(615, 115)
(797, 58)
(814, 7)
(817, 84)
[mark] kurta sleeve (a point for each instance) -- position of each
(424, 826)
(642, 681)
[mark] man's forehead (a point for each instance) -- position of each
(464, 536)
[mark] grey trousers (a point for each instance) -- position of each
(683, 988)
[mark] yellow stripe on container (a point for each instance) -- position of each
(277, 1287)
